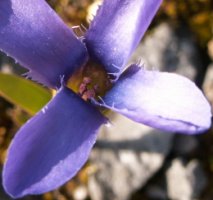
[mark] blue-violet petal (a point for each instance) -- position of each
(50, 148)
(162, 100)
(117, 29)
(33, 34)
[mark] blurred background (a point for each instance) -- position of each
(131, 161)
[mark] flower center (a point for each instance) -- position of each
(90, 81)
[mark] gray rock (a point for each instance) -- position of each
(184, 144)
(168, 50)
(156, 192)
(185, 182)
(127, 154)
(197, 177)
(178, 185)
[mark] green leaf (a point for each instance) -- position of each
(30, 96)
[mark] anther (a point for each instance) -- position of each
(82, 88)
(88, 94)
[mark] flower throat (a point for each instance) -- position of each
(90, 81)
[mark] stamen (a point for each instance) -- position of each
(82, 88)
(84, 91)
(88, 94)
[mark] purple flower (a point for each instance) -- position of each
(52, 146)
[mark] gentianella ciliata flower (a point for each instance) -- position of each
(52, 146)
